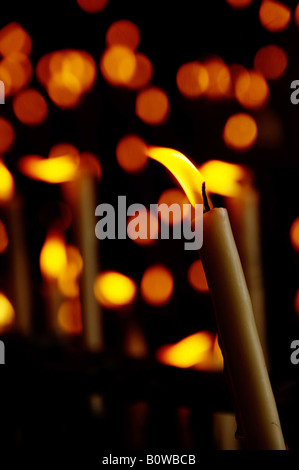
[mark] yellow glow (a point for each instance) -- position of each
(197, 277)
(3, 237)
(114, 290)
(184, 171)
(213, 362)
(50, 170)
(68, 277)
(7, 186)
(224, 178)
(53, 256)
(69, 317)
(188, 352)
(157, 285)
(7, 313)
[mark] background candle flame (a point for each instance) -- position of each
(7, 187)
(225, 178)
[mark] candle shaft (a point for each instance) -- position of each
(243, 355)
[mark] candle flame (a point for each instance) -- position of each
(114, 290)
(225, 178)
(7, 313)
(7, 187)
(51, 170)
(184, 171)
(53, 256)
(199, 351)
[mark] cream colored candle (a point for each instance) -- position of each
(238, 334)
(244, 360)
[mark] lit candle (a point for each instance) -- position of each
(242, 351)
(76, 174)
(21, 291)
(242, 202)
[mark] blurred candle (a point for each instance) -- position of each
(242, 351)
(20, 277)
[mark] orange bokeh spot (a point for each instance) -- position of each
(143, 73)
(70, 317)
(124, 33)
(30, 107)
(271, 61)
(296, 15)
(68, 277)
(118, 65)
(252, 90)
(143, 228)
(157, 285)
(169, 197)
(192, 79)
(294, 234)
(92, 6)
(15, 72)
(240, 131)
(7, 313)
(219, 78)
(239, 3)
(7, 135)
(197, 277)
(3, 237)
(114, 290)
(152, 105)
(13, 38)
(131, 153)
(274, 16)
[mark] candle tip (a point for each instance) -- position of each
(205, 198)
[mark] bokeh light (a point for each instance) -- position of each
(294, 234)
(92, 6)
(51, 170)
(68, 277)
(192, 79)
(118, 65)
(69, 317)
(143, 228)
(157, 285)
(252, 90)
(271, 61)
(197, 277)
(142, 74)
(274, 16)
(3, 237)
(7, 313)
(152, 105)
(13, 38)
(53, 256)
(15, 72)
(131, 153)
(7, 135)
(114, 290)
(124, 33)
(219, 78)
(7, 186)
(30, 107)
(240, 131)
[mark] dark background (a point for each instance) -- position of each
(172, 33)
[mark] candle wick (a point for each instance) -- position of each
(205, 198)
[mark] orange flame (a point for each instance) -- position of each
(7, 186)
(199, 350)
(225, 178)
(53, 257)
(7, 313)
(183, 170)
(114, 290)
